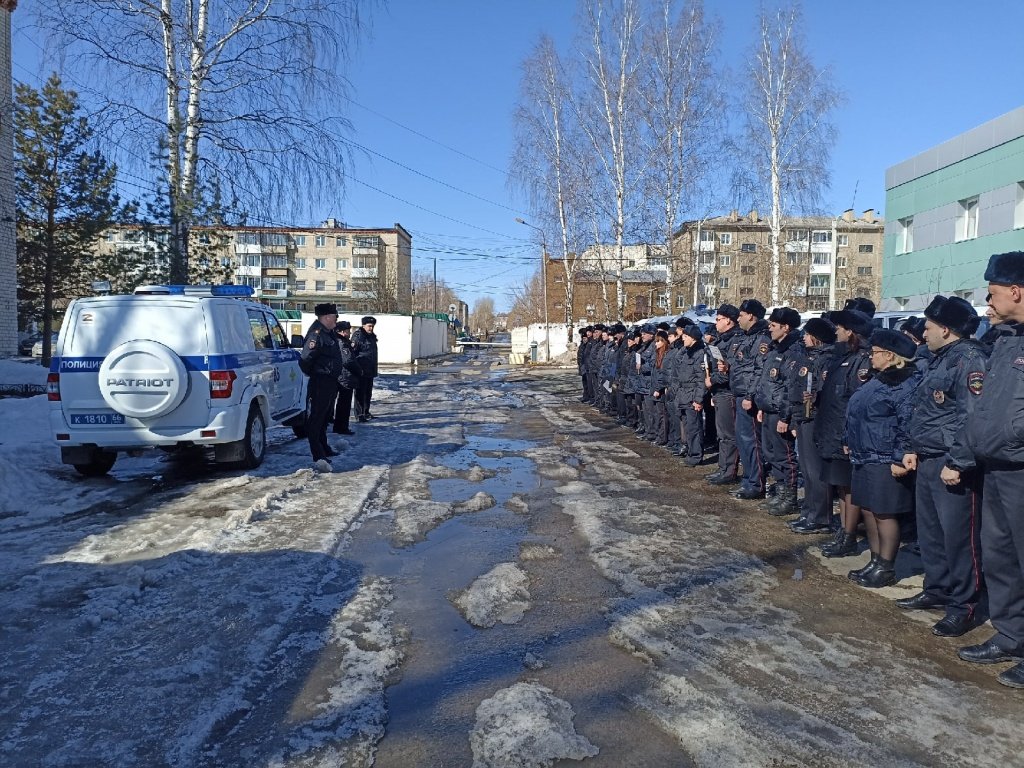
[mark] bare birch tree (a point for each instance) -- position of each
(242, 92)
(608, 114)
(546, 161)
(683, 110)
(788, 136)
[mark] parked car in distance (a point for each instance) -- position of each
(37, 348)
(26, 344)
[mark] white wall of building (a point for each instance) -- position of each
(558, 333)
(400, 338)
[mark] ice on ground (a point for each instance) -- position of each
(478, 474)
(415, 512)
(526, 726)
(502, 594)
(478, 502)
(536, 552)
(517, 504)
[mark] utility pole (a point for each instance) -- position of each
(435, 286)
(544, 281)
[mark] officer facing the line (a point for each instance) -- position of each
(321, 349)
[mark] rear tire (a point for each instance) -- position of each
(255, 443)
(100, 463)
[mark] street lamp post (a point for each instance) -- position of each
(544, 282)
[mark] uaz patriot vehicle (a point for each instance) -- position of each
(171, 367)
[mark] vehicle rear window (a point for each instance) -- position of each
(97, 328)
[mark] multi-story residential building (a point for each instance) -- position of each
(594, 293)
(949, 209)
(359, 269)
(823, 260)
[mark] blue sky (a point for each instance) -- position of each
(435, 84)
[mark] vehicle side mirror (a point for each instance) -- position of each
(297, 340)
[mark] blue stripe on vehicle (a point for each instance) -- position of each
(202, 363)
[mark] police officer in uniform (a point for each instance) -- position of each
(692, 366)
(948, 490)
(771, 399)
(348, 379)
(729, 335)
(744, 370)
(321, 348)
(581, 362)
(995, 434)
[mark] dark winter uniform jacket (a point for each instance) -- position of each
(748, 358)
(659, 376)
(995, 432)
(350, 372)
(727, 344)
(878, 416)
(771, 393)
(623, 359)
(846, 371)
(609, 364)
(689, 374)
(365, 346)
(581, 351)
(945, 401)
(672, 368)
(810, 361)
(642, 379)
(323, 348)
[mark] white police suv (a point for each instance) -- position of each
(172, 367)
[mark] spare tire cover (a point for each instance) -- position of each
(143, 379)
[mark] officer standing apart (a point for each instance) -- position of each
(364, 344)
(995, 434)
(321, 355)
(348, 379)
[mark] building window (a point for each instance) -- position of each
(798, 235)
(821, 259)
(816, 304)
(707, 236)
(559, 305)
(108, 236)
(364, 262)
(792, 257)
(681, 302)
(842, 240)
(725, 260)
(300, 241)
(275, 283)
(341, 263)
(818, 285)
(840, 262)
(321, 241)
(371, 241)
(746, 291)
(275, 239)
(321, 286)
(300, 263)
(1018, 211)
(863, 270)
(967, 219)
(821, 236)
(749, 247)
(590, 309)
(340, 286)
(749, 269)
(340, 241)
(841, 283)
(725, 238)
(300, 285)
(204, 238)
(320, 263)
(662, 300)
(723, 282)
(657, 261)
(865, 248)
(559, 279)
(251, 260)
(905, 235)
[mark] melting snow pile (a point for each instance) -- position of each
(526, 725)
(502, 595)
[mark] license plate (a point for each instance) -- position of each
(96, 419)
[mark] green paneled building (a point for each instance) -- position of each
(948, 209)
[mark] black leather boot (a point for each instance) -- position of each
(784, 503)
(844, 545)
(882, 575)
(858, 572)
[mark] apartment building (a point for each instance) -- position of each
(296, 268)
(594, 293)
(823, 260)
(949, 209)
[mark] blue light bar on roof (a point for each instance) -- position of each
(232, 290)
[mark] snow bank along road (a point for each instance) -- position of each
(493, 576)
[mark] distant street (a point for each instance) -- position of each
(494, 575)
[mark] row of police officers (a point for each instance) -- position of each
(922, 425)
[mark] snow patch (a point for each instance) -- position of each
(525, 726)
(502, 594)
